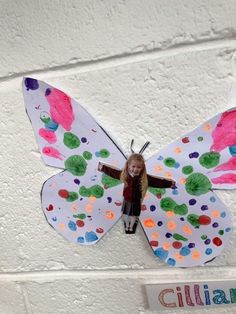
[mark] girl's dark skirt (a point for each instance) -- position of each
(131, 209)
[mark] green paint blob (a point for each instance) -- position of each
(84, 192)
(193, 220)
(178, 237)
(200, 138)
(209, 160)
(76, 165)
(109, 182)
(97, 191)
(221, 232)
(80, 216)
(181, 209)
(87, 155)
(157, 191)
(104, 153)
(71, 140)
(72, 196)
(169, 162)
(204, 237)
(167, 204)
(187, 170)
(197, 184)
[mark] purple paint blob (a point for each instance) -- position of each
(152, 208)
(83, 139)
(31, 84)
(192, 201)
(191, 245)
(168, 235)
(204, 207)
(215, 225)
(160, 223)
(77, 181)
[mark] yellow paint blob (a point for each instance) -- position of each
(149, 223)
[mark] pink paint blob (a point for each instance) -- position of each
(48, 135)
(229, 165)
(225, 178)
(60, 108)
(224, 134)
(52, 152)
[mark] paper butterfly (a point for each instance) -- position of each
(185, 227)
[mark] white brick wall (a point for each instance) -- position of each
(151, 70)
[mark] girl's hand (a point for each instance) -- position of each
(100, 166)
(173, 185)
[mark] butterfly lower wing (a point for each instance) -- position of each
(185, 230)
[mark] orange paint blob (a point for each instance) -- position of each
(149, 223)
(170, 214)
(110, 215)
(178, 257)
(61, 225)
(178, 150)
(166, 246)
(154, 235)
(171, 225)
(215, 213)
(92, 199)
(187, 230)
(207, 127)
(196, 255)
(168, 175)
(88, 208)
(158, 168)
(74, 207)
(182, 180)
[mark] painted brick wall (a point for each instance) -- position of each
(149, 70)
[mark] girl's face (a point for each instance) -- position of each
(135, 167)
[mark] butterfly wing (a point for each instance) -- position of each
(189, 226)
(77, 202)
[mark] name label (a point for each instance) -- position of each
(191, 295)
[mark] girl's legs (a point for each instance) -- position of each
(126, 221)
(132, 220)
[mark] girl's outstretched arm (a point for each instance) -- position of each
(109, 170)
(158, 182)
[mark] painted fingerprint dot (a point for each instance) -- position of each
(192, 202)
(152, 208)
(182, 218)
(110, 215)
(204, 207)
(87, 155)
(232, 150)
(177, 245)
(185, 140)
(72, 225)
(80, 239)
(208, 251)
(160, 158)
(97, 191)
(161, 253)
(215, 225)
(97, 154)
(193, 155)
(177, 165)
(207, 241)
(223, 215)
(77, 181)
(200, 138)
(191, 245)
(160, 223)
(171, 262)
(197, 184)
(80, 223)
(169, 162)
(72, 196)
(187, 170)
(104, 153)
(168, 235)
(83, 139)
(227, 229)
(91, 236)
(175, 192)
(71, 140)
(217, 241)
(154, 243)
(204, 220)
(149, 223)
(204, 237)
(76, 165)
(63, 193)
(109, 199)
(212, 199)
(209, 160)
(221, 232)
(99, 230)
(50, 207)
(31, 83)
(143, 207)
(185, 251)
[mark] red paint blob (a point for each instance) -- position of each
(50, 207)
(143, 207)
(217, 241)
(63, 193)
(177, 245)
(79, 223)
(99, 230)
(185, 140)
(204, 220)
(154, 243)
(118, 203)
(159, 196)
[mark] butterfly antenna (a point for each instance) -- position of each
(144, 147)
(131, 146)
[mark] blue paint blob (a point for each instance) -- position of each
(51, 126)
(212, 199)
(193, 155)
(215, 225)
(83, 139)
(97, 154)
(168, 235)
(47, 92)
(177, 165)
(184, 251)
(77, 181)
(152, 208)
(192, 201)
(208, 251)
(223, 215)
(204, 207)
(72, 225)
(191, 245)
(175, 192)
(91, 236)
(227, 229)
(80, 239)
(161, 253)
(54, 218)
(171, 262)
(31, 84)
(160, 158)
(232, 150)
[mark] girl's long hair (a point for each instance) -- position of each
(143, 173)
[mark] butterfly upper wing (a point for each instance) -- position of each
(189, 225)
(76, 202)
